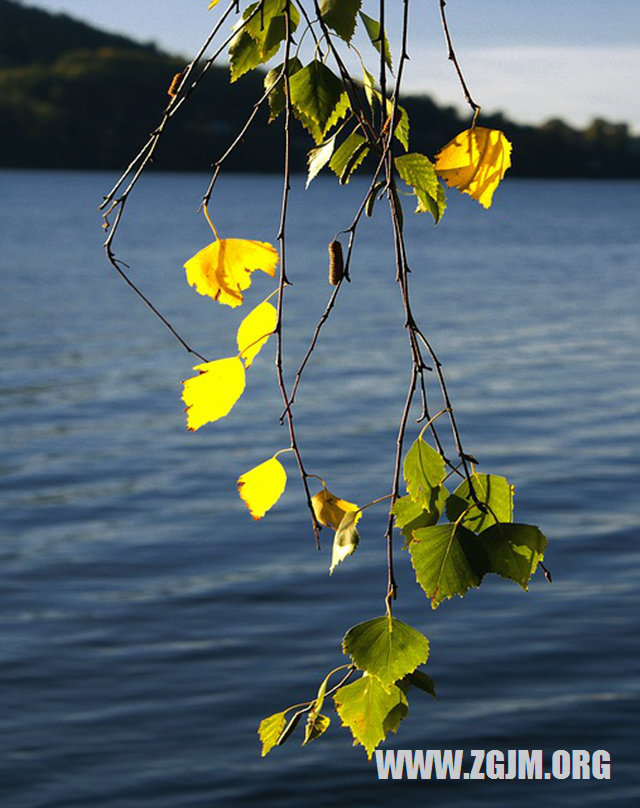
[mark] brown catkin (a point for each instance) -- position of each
(175, 83)
(336, 263)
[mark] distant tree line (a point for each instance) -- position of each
(72, 96)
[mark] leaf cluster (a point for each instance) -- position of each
(477, 537)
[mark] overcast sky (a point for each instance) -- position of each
(573, 59)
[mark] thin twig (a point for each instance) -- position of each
(452, 57)
(283, 281)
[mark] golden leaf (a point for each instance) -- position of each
(329, 510)
(474, 162)
(270, 730)
(211, 395)
(213, 3)
(261, 487)
(223, 269)
(255, 330)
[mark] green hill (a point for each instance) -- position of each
(72, 96)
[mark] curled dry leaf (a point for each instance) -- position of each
(474, 162)
(223, 269)
(262, 486)
(212, 394)
(329, 509)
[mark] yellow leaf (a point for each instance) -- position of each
(255, 330)
(213, 3)
(261, 487)
(270, 730)
(329, 510)
(223, 269)
(474, 162)
(211, 395)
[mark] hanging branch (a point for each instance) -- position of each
(454, 538)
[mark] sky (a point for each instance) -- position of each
(532, 60)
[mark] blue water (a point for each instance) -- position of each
(147, 624)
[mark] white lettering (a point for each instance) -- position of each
(561, 764)
(530, 764)
(601, 764)
(495, 765)
(476, 769)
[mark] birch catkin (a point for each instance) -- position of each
(336, 263)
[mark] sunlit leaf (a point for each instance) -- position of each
(339, 111)
(211, 395)
(386, 648)
(319, 157)
(316, 726)
(373, 30)
(316, 92)
(369, 84)
(369, 711)
(213, 3)
(409, 515)
(223, 269)
(244, 55)
(348, 156)
(270, 730)
(341, 16)
(401, 129)
(419, 173)
(514, 550)
(474, 162)
(262, 486)
(424, 473)
(448, 560)
(492, 491)
(329, 509)
(265, 22)
(255, 330)
(274, 83)
(345, 540)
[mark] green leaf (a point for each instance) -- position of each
(369, 711)
(386, 648)
(492, 491)
(244, 55)
(436, 207)
(424, 473)
(448, 560)
(316, 726)
(348, 156)
(341, 109)
(373, 30)
(260, 37)
(369, 84)
(319, 157)
(421, 681)
(345, 540)
(274, 82)
(267, 25)
(270, 730)
(409, 516)
(514, 550)
(420, 174)
(341, 16)
(316, 92)
(373, 197)
(401, 130)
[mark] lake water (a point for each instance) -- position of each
(147, 624)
